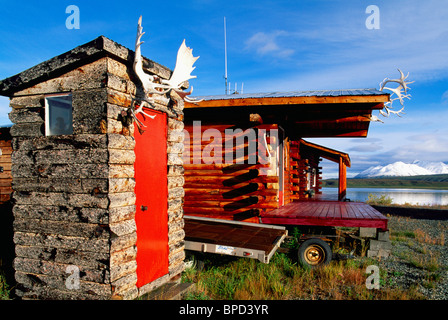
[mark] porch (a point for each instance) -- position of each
(326, 213)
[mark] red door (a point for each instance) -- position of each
(151, 198)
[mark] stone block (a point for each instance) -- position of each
(384, 253)
(383, 236)
(372, 253)
(377, 245)
(367, 232)
(60, 241)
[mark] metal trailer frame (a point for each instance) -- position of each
(246, 252)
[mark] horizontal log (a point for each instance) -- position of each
(209, 186)
(225, 167)
(230, 191)
(220, 172)
(94, 260)
(77, 141)
(232, 204)
(5, 183)
(76, 242)
(62, 199)
(5, 191)
(232, 181)
(261, 198)
(5, 142)
(246, 217)
(85, 230)
(228, 158)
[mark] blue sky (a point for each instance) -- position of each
(272, 46)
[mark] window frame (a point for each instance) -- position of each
(48, 109)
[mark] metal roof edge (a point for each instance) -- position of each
(286, 94)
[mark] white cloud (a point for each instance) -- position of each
(445, 97)
(267, 43)
(340, 52)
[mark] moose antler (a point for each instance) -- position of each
(400, 92)
(149, 86)
(182, 70)
(181, 73)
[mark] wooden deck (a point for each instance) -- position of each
(326, 213)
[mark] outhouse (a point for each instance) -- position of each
(97, 204)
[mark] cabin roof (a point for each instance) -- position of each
(79, 56)
(292, 98)
(303, 114)
(325, 152)
(295, 94)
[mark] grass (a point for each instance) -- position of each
(223, 277)
(4, 287)
(383, 200)
(282, 278)
(419, 251)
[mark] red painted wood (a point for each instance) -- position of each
(326, 213)
(151, 191)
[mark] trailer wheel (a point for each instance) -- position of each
(314, 252)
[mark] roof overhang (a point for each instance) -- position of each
(292, 98)
(324, 152)
(79, 56)
(304, 114)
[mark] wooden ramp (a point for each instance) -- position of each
(242, 239)
(326, 213)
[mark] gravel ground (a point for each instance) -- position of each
(419, 256)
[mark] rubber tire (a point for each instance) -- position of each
(312, 242)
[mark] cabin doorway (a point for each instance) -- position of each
(151, 192)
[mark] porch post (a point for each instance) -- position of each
(342, 185)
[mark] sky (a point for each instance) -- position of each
(281, 45)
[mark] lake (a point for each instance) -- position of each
(399, 196)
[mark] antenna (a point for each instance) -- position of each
(225, 53)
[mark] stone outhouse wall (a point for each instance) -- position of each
(74, 201)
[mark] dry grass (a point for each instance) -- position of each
(281, 279)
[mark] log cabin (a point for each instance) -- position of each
(5, 165)
(246, 156)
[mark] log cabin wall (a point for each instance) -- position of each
(217, 188)
(5, 165)
(305, 173)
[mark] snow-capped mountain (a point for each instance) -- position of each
(434, 167)
(400, 168)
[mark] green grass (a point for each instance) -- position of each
(383, 199)
(4, 288)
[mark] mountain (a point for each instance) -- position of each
(434, 167)
(400, 168)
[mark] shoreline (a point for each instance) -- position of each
(390, 187)
(415, 213)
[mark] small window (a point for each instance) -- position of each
(58, 114)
